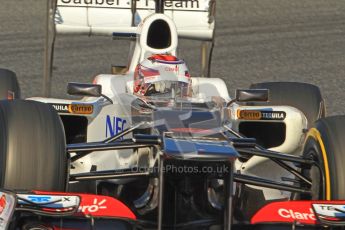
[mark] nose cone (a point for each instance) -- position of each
(199, 150)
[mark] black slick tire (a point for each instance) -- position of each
(325, 143)
(32, 147)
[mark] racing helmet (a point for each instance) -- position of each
(162, 75)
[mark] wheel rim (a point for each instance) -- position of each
(317, 152)
(314, 173)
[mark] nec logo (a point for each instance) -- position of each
(114, 125)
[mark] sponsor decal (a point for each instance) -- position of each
(286, 212)
(2, 203)
(290, 213)
(172, 69)
(302, 212)
(90, 2)
(260, 115)
(248, 114)
(81, 109)
(104, 206)
(141, 4)
(40, 199)
(114, 125)
(273, 115)
(73, 108)
(50, 202)
(61, 108)
(330, 212)
(95, 207)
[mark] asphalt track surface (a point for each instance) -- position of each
(256, 40)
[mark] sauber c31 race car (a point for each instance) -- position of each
(267, 158)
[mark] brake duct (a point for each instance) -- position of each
(149, 200)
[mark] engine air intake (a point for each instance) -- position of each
(161, 28)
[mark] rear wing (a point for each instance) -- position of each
(194, 19)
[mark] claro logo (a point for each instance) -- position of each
(291, 214)
(286, 212)
(94, 207)
(171, 69)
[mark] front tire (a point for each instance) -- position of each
(325, 143)
(32, 147)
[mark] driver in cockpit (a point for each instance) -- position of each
(162, 75)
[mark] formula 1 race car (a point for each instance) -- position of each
(184, 157)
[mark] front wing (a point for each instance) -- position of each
(86, 211)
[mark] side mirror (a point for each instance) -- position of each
(83, 89)
(252, 95)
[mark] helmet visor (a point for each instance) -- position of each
(169, 89)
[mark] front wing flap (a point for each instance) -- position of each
(317, 213)
(79, 210)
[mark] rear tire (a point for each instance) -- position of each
(9, 86)
(303, 96)
(32, 147)
(325, 143)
